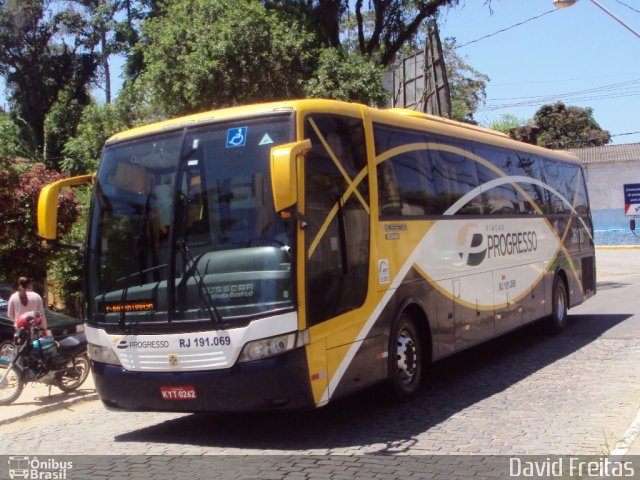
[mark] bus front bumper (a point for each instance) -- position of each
(280, 382)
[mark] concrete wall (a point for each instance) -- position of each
(604, 182)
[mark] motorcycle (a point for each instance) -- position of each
(37, 358)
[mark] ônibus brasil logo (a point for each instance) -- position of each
(474, 244)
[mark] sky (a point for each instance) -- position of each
(579, 55)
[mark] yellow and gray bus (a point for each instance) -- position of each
(283, 255)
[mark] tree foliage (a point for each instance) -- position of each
(203, 54)
(12, 143)
(44, 61)
(467, 86)
(561, 126)
(20, 250)
(505, 123)
(341, 75)
(382, 27)
(98, 123)
(65, 267)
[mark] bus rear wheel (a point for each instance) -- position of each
(560, 301)
(405, 358)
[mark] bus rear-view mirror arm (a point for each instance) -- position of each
(284, 173)
(48, 208)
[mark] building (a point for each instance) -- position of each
(607, 169)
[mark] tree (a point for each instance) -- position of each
(20, 251)
(505, 123)
(204, 54)
(45, 62)
(100, 121)
(65, 268)
(12, 144)
(467, 86)
(562, 127)
(347, 76)
(102, 32)
(383, 27)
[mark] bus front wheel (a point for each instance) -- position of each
(405, 358)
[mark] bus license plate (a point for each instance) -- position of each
(183, 392)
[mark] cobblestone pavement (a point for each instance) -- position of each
(526, 393)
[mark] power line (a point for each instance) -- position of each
(621, 134)
(563, 80)
(608, 88)
(615, 90)
(552, 100)
(628, 6)
(505, 29)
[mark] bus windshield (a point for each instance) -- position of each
(184, 231)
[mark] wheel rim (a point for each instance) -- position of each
(9, 385)
(406, 357)
(561, 305)
(75, 376)
(7, 350)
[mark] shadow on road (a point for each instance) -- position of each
(611, 285)
(454, 384)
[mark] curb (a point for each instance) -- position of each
(50, 408)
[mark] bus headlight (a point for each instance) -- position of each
(102, 354)
(268, 347)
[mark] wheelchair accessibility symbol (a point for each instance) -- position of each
(236, 137)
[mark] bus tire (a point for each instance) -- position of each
(405, 358)
(559, 306)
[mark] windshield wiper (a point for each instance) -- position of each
(203, 293)
(180, 240)
(140, 251)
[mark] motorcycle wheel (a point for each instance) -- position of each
(11, 387)
(73, 377)
(7, 349)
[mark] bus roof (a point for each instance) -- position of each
(444, 125)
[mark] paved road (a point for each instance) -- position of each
(525, 393)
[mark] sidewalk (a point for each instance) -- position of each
(35, 399)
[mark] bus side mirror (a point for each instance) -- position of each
(632, 224)
(48, 205)
(284, 173)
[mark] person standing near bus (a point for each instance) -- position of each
(26, 300)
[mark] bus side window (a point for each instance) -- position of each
(530, 195)
(455, 175)
(575, 187)
(500, 199)
(388, 190)
(405, 183)
(552, 176)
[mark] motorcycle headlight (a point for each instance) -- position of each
(102, 354)
(268, 347)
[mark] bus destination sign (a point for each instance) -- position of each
(632, 199)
